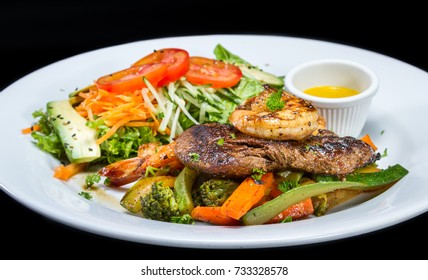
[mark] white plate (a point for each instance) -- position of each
(26, 172)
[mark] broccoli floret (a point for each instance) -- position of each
(184, 219)
(159, 204)
(196, 197)
(214, 192)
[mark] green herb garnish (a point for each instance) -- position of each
(257, 174)
(385, 153)
(288, 219)
(150, 170)
(285, 186)
(220, 142)
(275, 102)
(91, 179)
(194, 156)
(184, 219)
(86, 195)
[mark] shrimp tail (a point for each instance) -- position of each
(129, 170)
(123, 172)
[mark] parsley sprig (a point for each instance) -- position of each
(257, 174)
(275, 102)
(285, 186)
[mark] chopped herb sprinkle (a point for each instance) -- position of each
(194, 156)
(91, 179)
(86, 195)
(257, 174)
(385, 153)
(185, 219)
(220, 142)
(288, 219)
(151, 171)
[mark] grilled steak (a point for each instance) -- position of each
(222, 151)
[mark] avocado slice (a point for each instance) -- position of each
(263, 77)
(78, 140)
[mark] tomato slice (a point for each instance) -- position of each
(131, 79)
(176, 60)
(204, 71)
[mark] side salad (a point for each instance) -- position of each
(154, 100)
(130, 119)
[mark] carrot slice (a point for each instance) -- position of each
(366, 138)
(213, 215)
(30, 129)
(296, 211)
(247, 195)
(66, 172)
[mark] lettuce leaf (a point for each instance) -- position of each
(124, 142)
(223, 54)
(121, 145)
(46, 139)
(248, 88)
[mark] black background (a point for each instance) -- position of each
(36, 34)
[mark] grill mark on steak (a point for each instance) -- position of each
(239, 154)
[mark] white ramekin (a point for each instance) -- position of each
(345, 116)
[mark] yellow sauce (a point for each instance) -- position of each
(331, 91)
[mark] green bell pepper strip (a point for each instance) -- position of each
(362, 181)
(270, 209)
(183, 190)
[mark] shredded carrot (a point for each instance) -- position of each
(366, 138)
(213, 215)
(30, 129)
(247, 195)
(66, 172)
(296, 211)
(117, 110)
